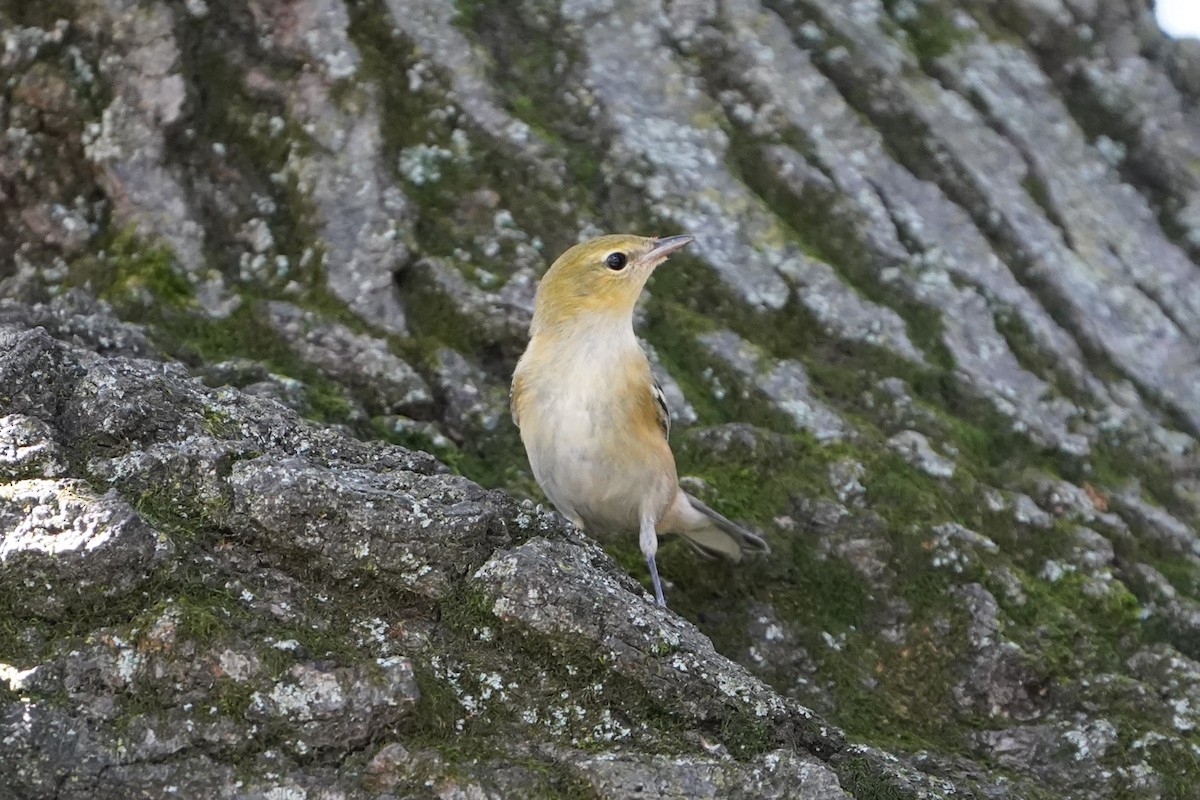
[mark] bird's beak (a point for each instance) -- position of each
(665, 246)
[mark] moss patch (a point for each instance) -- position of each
(929, 27)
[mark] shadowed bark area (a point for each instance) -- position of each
(266, 529)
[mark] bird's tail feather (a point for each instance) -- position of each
(713, 535)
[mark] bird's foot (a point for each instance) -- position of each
(658, 592)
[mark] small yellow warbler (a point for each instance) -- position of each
(593, 419)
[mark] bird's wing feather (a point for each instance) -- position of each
(662, 409)
(711, 533)
(514, 398)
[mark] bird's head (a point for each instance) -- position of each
(600, 278)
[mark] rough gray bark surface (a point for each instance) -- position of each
(266, 266)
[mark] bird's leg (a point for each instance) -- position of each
(649, 542)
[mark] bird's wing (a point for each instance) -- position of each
(514, 398)
(661, 408)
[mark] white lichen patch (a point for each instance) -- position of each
(373, 631)
(1112, 151)
(955, 546)
(235, 666)
(491, 684)
(128, 662)
(313, 693)
(55, 517)
(164, 632)
(1184, 716)
(421, 164)
(15, 677)
(473, 694)
(27, 447)
(498, 570)
(845, 477)
(415, 569)
(835, 643)
(785, 383)
(715, 386)
(569, 720)
(609, 729)
(1093, 740)
(1053, 571)
(917, 450)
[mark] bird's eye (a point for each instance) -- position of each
(616, 261)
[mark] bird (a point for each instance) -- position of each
(594, 420)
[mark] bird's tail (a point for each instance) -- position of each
(709, 533)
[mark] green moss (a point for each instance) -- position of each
(829, 233)
(1071, 630)
(218, 423)
(1115, 464)
(21, 639)
(499, 461)
(386, 59)
(545, 672)
(845, 595)
(451, 218)
(817, 221)
(39, 15)
(27, 639)
(864, 781)
(686, 301)
(199, 613)
(757, 479)
(233, 698)
(255, 136)
(203, 622)
(225, 112)
(141, 281)
(328, 402)
(134, 275)
(435, 317)
(899, 696)
(416, 439)
(903, 495)
(689, 299)
(535, 53)
(1183, 574)
(1177, 761)
(813, 591)
(245, 333)
(931, 30)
